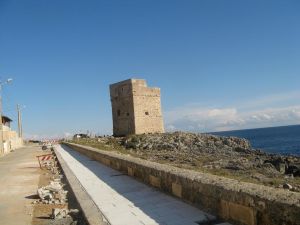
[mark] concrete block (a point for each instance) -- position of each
(154, 181)
(106, 162)
(237, 212)
(177, 190)
(130, 171)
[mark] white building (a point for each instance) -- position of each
(11, 139)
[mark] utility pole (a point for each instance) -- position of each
(20, 128)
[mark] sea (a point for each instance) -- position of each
(282, 140)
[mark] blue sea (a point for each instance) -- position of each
(283, 140)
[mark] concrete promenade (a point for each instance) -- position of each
(125, 201)
(19, 178)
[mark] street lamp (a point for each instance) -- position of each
(9, 80)
(1, 122)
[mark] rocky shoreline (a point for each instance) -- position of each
(225, 156)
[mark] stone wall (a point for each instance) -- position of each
(11, 141)
(239, 202)
(136, 108)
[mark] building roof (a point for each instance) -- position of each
(129, 81)
(6, 119)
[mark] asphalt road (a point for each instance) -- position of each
(19, 178)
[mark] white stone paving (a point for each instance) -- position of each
(125, 201)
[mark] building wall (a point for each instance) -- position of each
(11, 140)
(136, 108)
(147, 109)
(122, 108)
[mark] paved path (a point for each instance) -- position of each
(19, 177)
(125, 201)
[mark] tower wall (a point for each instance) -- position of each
(122, 108)
(136, 108)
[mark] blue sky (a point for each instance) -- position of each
(220, 64)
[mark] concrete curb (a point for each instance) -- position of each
(91, 212)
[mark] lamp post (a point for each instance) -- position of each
(1, 121)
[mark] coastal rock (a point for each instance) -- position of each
(287, 186)
(279, 163)
(270, 169)
(294, 169)
(185, 142)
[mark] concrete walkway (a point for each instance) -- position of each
(125, 201)
(19, 178)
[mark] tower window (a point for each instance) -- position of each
(119, 112)
(147, 113)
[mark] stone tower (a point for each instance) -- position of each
(136, 108)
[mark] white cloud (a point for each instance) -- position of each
(273, 110)
(271, 100)
(31, 136)
(47, 137)
(220, 119)
(68, 134)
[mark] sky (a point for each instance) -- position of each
(220, 64)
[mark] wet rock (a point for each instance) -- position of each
(289, 176)
(287, 186)
(293, 169)
(269, 168)
(279, 163)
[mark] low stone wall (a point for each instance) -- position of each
(239, 202)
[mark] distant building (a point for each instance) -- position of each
(6, 121)
(11, 140)
(78, 136)
(136, 108)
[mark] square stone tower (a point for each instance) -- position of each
(136, 108)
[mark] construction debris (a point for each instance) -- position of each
(58, 213)
(53, 193)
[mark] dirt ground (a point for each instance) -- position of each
(20, 178)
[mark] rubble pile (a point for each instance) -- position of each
(58, 213)
(54, 194)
